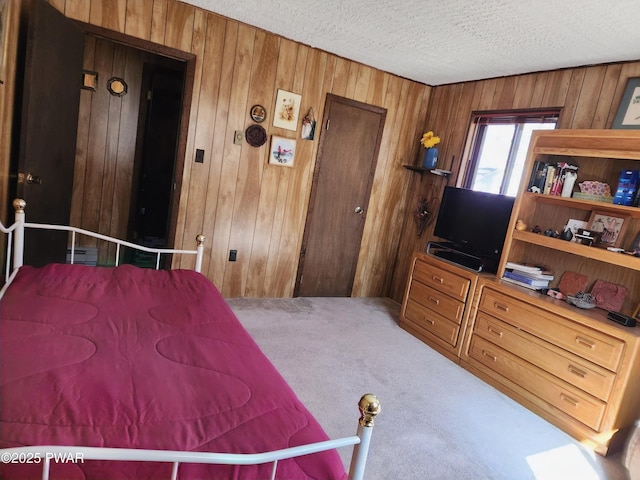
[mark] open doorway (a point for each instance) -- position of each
(95, 188)
(154, 168)
(131, 147)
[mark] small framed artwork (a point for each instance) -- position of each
(258, 113)
(609, 228)
(574, 225)
(628, 116)
(287, 110)
(635, 248)
(89, 80)
(282, 152)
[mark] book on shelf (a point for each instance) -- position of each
(551, 174)
(540, 275)
(528, 279)
(522, 284)
(530, 268)
(548, 178)
(538, 177)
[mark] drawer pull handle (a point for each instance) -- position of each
(572, 401)
(501, 307)
(437, 279)
(576, 371)
(490, 355)
(495, 332)
(428, 320)
(434, 300)
(585, 342)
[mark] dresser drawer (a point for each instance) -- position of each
(570, 400)
(575, 370)
(432, 322)
(595, 346)
(441, 280)
(437, 301)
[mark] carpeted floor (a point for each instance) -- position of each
(438, 421)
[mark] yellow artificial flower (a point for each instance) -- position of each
(429, 140)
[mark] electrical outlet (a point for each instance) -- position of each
(238, 137)
(199, 155)
(233, 254)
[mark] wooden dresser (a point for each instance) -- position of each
(435, 303)
(573, 367)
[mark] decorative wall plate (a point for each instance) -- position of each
(256, 135)
(258, 113)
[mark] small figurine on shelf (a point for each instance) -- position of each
(520, 225)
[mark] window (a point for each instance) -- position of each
(499, 148)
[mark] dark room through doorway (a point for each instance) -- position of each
(154, 183)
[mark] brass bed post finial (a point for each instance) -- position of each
(200, 239)
(19, 205)
(369, 406)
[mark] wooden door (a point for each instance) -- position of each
(347, 155)
(48, 127)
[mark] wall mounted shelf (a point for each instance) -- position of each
(422, 171)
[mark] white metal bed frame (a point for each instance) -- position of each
(368, 405)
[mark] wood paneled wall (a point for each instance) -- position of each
(7, 91)
(235, 198)
(106, 143)
(240, 202)
(589, 98)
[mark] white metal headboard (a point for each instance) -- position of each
(15, 242)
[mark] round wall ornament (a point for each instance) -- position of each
(256, 135)
(258, 113)
(117, 86)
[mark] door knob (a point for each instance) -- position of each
(29, 178)
(359, 210)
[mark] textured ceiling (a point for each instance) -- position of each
(448, 41)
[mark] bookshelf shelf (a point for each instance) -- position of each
(598, 155)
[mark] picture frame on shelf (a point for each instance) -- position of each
(635, 248)
(609, 228)
(628, 115)
(574, 225)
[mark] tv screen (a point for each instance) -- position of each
(474, 223)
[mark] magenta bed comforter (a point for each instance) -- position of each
(130, 357)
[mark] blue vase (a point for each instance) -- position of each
(430, 158)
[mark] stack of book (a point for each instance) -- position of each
(548, 178)
(535, 277)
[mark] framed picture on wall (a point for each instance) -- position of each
(282, 151)
(287, 110)
(628, 116)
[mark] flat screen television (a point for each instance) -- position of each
(474, 225)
